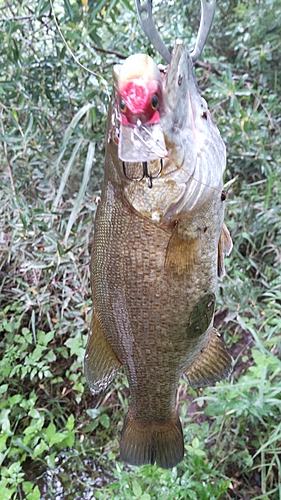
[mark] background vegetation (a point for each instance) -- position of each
(57, 441)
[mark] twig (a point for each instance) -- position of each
(108, 51)
(15, 18)
(8, 5)
(208, 66)
(258, 102)
(69, 49)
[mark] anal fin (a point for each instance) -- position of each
(224, 248)
(100, 362)
(212, 365)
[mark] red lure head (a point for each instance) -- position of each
(139, 91)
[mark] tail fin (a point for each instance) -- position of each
(146, 443)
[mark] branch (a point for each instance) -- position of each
(15, 18)
(108, 51)
(208, 66)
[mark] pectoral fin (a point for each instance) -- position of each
(182, 253)
(224, 248)
(212, 365)
(100, 363)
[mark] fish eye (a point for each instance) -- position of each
(154, 101)
(122, 104)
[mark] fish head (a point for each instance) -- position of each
(183, 104)
(180, 133)
(196, 151)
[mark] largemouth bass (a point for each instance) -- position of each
(159, 245)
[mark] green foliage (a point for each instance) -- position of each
(195, 480)
(55, 439)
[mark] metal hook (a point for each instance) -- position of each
(144, 10)
(206, 21)
(146, 175)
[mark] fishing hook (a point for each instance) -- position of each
(144, 10)
(146, 175)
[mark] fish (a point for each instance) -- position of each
(158, 250)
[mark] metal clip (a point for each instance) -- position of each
(146, 175)
(144, 10)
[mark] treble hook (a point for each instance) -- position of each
(144, 9)
(148, 177)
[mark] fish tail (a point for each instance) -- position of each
(147, 443)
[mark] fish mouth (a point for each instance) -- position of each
(180, 65)
(181, 95)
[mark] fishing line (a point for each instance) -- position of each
(201, 182)
(180, 167)
(72, 53)
(226, 186)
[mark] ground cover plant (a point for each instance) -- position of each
(57, 441)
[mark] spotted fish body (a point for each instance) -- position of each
(157, 253)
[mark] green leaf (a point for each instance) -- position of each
(75, 347)
(69, 439)
(195, 442)
(6, 493)
(70, 423)
(105, 420)
(128, 6)
(58, 437)
(68, 8)
(46, 338)
(50, 431)
(145, 496)
(44, 8)
(34, 413)
(35, 494)
(78, 201)
(91, 427)
(4, 420)
(99, 7)
(137, 490)
(51, 460)
(66, 172)
(3, 440)
(40, 448)
(74, 122)
(3, 388)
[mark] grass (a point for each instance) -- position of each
(57, 441)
